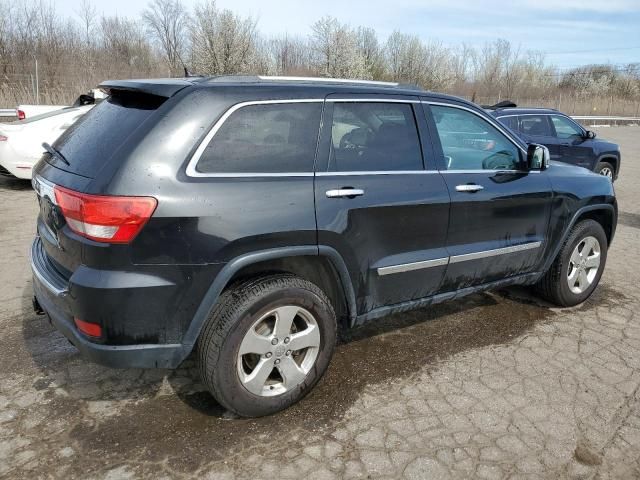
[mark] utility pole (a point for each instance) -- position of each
(37, 82)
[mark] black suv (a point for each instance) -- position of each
(566, 139)
(250, 218)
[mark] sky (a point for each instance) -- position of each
(569, 32)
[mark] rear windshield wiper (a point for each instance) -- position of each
(55, 153)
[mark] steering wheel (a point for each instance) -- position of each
(502, 160)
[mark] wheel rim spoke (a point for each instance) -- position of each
(575, 257)
(593, 261)
(589, 242)
(573, 277)
(583, 281)
(255, 381)
(284, 319)
(291, 372)
(255, 343)
(310, 337)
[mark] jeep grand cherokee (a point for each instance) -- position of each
(249, 218)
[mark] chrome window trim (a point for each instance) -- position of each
(408, 267)
(489, 171)
(438, 262)
(492, 253)
(195, 158)
(372, 100)
(377, 172)
(489, 120)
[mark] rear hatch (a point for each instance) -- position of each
(86, 149)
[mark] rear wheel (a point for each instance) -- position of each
(266, 344)
(577, 270)
(605, 169)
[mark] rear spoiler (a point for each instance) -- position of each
(158, 87)
(503, 104)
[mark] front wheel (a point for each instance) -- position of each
(605, 169)
(267, 344)
(577, 270)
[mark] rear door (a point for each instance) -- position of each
(376, 203)
(538, 129)
(499, 211)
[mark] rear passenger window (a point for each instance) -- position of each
(511, 122)
(374, 137)
(270, 138)
(535, 125)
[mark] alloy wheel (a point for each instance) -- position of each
(583, 265)
(278, 351)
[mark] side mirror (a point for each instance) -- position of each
(590, 135)
(537, 157)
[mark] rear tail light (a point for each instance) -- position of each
(3, 138)
(88, 328)
(21, 115)
(105, 218)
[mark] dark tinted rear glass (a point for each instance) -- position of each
(271, 138)
(535, 125)
(92, 140)
(511, 122)
(374, 137)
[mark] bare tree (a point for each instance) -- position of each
(336, 50)
(167, 22)
(289, 55)
(222, 42)
(88, 15)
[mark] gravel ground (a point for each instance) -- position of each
(498, 385)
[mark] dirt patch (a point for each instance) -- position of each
(182, 429)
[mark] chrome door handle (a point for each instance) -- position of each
(469, 188)
(345, 192)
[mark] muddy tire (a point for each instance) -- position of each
(577, 269)
(266, 344)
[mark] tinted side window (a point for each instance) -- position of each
(374, 137)
(511, 122)
(471, 143)
(565, 128)
(535, 125)
(271, 138)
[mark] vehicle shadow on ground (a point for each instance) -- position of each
(11, 183)
(176, 409)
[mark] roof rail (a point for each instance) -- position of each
(327, 80)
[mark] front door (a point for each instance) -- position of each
(376, 203)
(499, 211)
(574, 147)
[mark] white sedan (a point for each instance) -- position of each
(21, 142)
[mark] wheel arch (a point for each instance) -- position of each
(612, 159)
(316, 264)
(605, 214)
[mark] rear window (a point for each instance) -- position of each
(91, 141)
(269, 138)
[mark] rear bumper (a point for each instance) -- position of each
(53, 296)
